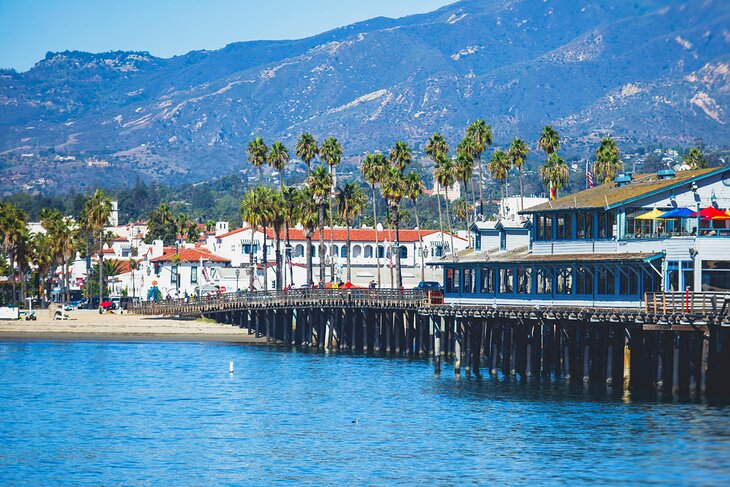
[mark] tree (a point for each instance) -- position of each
(13, 227)
(517, 153)
(307, 149)
(414, 189)
(320, 184)
(331, 154)
(250, 215)
(265, 205)
(480, 134)
(97, 209)
(437, 149)
(464, 167)
(133, 266)
(278, 216)
(499, 168)
(554, 174)
(161, 225)
(257, 155)
(44, 259)
(372, 170)
(65, 240)
(291, 207)
(549, 141)
(400, 156)
(278, 158)
(352, 202)
(608, 161)
(393, 188)
(695, 159)
(444, 174)
(309, 218)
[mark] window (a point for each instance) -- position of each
(548, 227)
(449, 280)
(246, 248)
(524, 280)
(671, 282)
(503, 239)
(381, 251)
(544, 284)
(357, 251)
(606, 221)
(539, 227)
(368, 251)
(606, 281)
(505, 280)
(628, 281)
(437, 250)
(584, 281)
(403, 252)
(601, 224)
(299, 250)
(173, 274)
(564, 284)
(343, 251)
(688, 275)
(457, 281)
(233, 248)
(487, 281)
(468, 280)
(193, 274)
(715, 275)
(584, 225)
(560, 227)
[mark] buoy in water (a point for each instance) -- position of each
(230, 367)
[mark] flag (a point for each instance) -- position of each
(589, 176)
(552, 191)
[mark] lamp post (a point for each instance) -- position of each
(177, 269)
(238, 274)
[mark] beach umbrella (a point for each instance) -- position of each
(679, 213)
(724, 216)
(106, 304)
(652, 215)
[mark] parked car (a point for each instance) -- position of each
(434, 290)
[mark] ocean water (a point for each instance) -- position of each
(105, 413)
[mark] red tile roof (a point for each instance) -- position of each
(189, 255)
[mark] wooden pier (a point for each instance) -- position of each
(674, 344)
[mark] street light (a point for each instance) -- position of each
(238, 273)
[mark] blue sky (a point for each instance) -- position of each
(30, 28)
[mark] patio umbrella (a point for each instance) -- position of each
(724, 216)
(652, 215)
(711, 212)
(106, 304)
(678, 213)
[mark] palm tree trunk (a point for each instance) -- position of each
(473, 200)
(11, 254)
(252, 274)
(133, 294)
(266, 263)
(321, 246)
(287, 251)
(481, 184)
(377, 242)
(448, 218)
(101, 269)
(277, 240)
(441, 220)
(310, 270)
(522, 191)
(332, 264)
(349, 260)
(389, 250)
(396, 224)
(420, 241)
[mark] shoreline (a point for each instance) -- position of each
(89, 325)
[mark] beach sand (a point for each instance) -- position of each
(90, 325)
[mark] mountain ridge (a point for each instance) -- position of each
(643, 71)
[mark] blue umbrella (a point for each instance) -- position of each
(679, 213)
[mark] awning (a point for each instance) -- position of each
(679, 213)
(652, 215)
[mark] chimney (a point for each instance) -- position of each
(221, 228)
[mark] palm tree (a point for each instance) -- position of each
(13, 227)
(414, 189)
(608, 160)
(320, 184)
(437, 149)
(43, 257)
(517, 153)
(278, 158)
(277, 205)
(352, 202)
(257, 155)
(695, 159)
(480, 135)
(308, 216)
(400, 156)
(307, 149)
(331, 153)
(97, 209)
(290, 210)
(393, 188)
(372, 170)
(251, 215)
(554, 174)
(444, 174)
(499, 168)
(265, 203)
(133, 266)
(464, 166)
(549, 141)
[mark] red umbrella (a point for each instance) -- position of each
(106, 304)
(711, 212)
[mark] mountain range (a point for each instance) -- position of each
(642, 71)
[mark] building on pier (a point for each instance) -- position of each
(605, 246)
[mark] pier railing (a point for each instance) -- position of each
(687, 302)
(291, 298)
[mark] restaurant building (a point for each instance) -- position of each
(605, 246)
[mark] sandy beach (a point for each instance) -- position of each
(90, 325)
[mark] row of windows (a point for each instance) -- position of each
(574, 225)
(586, 280)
